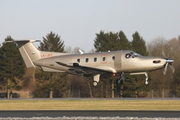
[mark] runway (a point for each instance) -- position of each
(89, 113)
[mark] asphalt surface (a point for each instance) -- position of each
(90, 99)
(88, 113)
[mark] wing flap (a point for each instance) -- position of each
(86, 69)
(50, 70)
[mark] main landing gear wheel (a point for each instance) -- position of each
(95, 83)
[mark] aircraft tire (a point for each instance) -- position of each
(146, 82)
(95, 83)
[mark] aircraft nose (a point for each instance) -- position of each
(169, 60)
(164, 62)
(158, 62)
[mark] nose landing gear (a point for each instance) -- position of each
(146, 75)
(121, 78)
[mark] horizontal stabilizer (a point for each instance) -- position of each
(23, 42)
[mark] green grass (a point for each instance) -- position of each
(90, 104)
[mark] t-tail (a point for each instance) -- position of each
(30, 53)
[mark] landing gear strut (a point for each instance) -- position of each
(146, 75)
(120, 80)
(146, 80)
(96, 79)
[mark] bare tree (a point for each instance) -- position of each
(75, 50)
(68, 49)
(164, 84)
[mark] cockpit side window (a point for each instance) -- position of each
(131, 55)
(135, 54)
(128, 55)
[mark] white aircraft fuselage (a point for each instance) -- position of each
(114, 62)
(90, 64)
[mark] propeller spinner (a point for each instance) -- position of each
(169, 62)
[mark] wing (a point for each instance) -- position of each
(75, 68)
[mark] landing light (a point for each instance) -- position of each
(114, 74)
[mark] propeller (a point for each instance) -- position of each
(169, 62)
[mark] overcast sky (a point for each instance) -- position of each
(78, 21)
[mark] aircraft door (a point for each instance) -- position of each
(118, 61)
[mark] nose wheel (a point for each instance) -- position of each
(146, 82)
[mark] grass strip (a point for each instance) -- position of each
(89, 104)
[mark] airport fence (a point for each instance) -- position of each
(153, 93)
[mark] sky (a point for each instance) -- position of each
(78, 21)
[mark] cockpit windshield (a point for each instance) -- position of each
(132, 55)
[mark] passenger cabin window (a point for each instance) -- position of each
(87, 59)
(95, 59)
(113, 57)
(78, 60)
(104, 59)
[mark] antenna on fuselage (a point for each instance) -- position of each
(81, 52)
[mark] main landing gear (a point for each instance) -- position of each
(96, 79)
(120, 80)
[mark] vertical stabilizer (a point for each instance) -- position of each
(28, 51)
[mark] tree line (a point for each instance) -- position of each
(15, 76)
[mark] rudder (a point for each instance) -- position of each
(28, 51)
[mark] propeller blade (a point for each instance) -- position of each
(164, 55)
(168, 61)
(172, 68)
(165, 68)
(170, 51)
